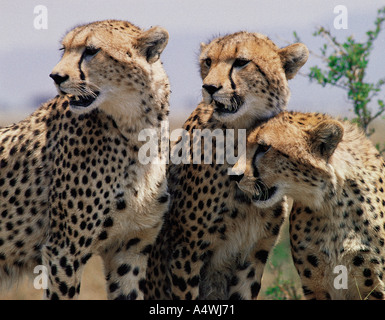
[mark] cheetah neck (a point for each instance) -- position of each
(145, 111)
(248, 121)
(143, 107)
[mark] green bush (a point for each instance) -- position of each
(345, 66)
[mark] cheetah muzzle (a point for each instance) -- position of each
(265, 193)
(231, 107)
(83, 101)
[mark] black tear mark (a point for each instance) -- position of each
(82, 76)
(233, 86)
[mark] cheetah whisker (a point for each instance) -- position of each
(257, 189)
(263, 190)
(86, 91)
(358, 289)
(367, 297)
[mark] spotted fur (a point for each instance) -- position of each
(335, 177)
(215, 243)
(71, 183)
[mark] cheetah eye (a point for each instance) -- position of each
(239, 63)
(262, 149)
(91, 51)
(208, 62)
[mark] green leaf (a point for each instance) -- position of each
(344, 65)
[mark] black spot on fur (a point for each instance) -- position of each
(262, 255)
(313, 260)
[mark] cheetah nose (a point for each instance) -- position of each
(58, 78)
(211, 89)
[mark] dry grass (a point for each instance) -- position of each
(92, 287)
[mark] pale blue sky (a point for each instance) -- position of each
(27, 55)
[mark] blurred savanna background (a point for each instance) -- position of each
(28, 54)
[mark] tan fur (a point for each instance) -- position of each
(71, 183)
(335, 177)
(262, 84)
(215, 243)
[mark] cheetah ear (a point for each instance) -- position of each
(203, 46)
(293, 57)
(152, 42)
(325, 137)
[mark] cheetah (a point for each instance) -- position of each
(71, 183)
(335, 177)
(215, 243)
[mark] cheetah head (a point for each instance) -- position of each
(285, 158)
(245, 76)
(108, 63)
